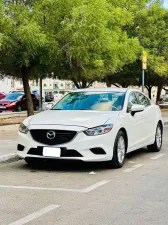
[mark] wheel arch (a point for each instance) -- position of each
(126, 135)
(161, 123)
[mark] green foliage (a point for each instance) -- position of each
(83, 40)
(93, 41)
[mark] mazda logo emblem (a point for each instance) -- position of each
(51, 135)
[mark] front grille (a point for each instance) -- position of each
(61, 136)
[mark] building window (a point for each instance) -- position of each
(55, 86)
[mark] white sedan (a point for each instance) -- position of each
(93, 125)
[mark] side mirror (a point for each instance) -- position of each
(137, 108)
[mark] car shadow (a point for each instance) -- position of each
(138, 153)
(66, 166)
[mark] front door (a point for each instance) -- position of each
(135, 124)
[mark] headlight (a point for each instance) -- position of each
(23, 128)
(99, 130)
(13, 103)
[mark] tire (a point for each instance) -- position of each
(19, 108)
(119, 153)
(36, 108)
(157, 145)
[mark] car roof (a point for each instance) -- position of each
(123, 90)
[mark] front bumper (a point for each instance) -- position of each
(81, 144)
(8, 108)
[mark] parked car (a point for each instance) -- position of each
(37, 94)
(59, 94)
(164, 99)
(49, 105)
(17, 102)
(2, 95)
(49, 97)
(163, 102)
(93, 125)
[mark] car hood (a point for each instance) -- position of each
(85, 119)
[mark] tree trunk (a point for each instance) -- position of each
(82, 84)
(108, 82)
(159, 90)
(29, 103)
(149, 88)
(76, 84)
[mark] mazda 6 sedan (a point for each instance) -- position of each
(92, 125)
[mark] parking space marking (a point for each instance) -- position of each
(85, 190)
(94, 186)
(157, 156)
(133, 168)
(35, 215)
(40, 188)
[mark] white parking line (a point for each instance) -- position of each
(40, 188)
(35, 215)
(85, 190)
(133, 168)
(157, 156)
(94, 186)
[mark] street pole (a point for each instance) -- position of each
(40, 100)
(143, 80)
(144, 67)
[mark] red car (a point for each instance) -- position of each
(17, 102)
(2, 95)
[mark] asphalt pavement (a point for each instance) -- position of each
(67, 193)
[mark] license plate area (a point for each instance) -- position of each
(51, 152)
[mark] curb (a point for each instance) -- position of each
(9, 158)
(11, 115)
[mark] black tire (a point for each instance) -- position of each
(36, 108)
(116, 162)
(156, 146)
(19, 108)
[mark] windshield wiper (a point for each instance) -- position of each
(56, 109)
(83, 109)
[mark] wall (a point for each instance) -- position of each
(5, 85)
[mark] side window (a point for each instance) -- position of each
(143, 100)
(132, 100)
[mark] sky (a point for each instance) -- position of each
(166, 4)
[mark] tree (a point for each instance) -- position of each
(24, 46)
(91, 39)
(155, 41)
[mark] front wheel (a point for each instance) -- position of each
(19, 108)
(119, 151)
(156, 147)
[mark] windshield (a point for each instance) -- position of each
(13, 96)
(97, 101)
